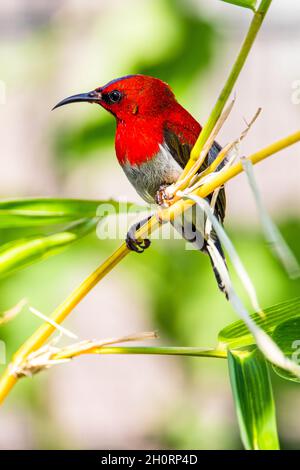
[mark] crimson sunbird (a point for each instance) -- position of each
(154, 137)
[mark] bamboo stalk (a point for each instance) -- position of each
(255, 25)
(225, 175)
(39, 337)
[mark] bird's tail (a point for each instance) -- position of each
(207, 249)
(192, 230)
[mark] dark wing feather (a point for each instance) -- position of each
(180, 151)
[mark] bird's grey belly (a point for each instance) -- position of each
(149, 176)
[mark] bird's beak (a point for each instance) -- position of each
(90, 97)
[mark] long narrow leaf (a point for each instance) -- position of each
(243, 3)
(46, 211)
(253, 399)
(265, 343)
(272, 234)
(238, 335)
(226, 242)
(20, 253)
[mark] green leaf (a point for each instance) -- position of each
(32, 229)
(237, 334)
(287, 336)
(253, 399)
(43, 211)
(243, 3)
(20, 253)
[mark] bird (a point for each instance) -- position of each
(153, 140)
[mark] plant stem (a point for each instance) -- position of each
(38, 338)
(255, 25)
(156, 350)
(166, 351)
(221, 177)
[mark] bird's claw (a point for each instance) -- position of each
(136, 245)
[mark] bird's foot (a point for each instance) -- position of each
(162, 197)
(135, 244)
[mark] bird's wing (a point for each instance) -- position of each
(180, 143)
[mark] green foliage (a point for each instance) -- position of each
(243, 3)
(33, 229)
(249, 374)
(287, 336)
(253, 399)
(44, 212)
(20, 253)
(179, 68)
(169, 270)
(237, 335)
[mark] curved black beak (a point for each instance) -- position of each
(90, 97)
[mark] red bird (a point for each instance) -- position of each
(154, 137)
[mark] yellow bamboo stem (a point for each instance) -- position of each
(255, 25)
(225, 175)
(39, 337)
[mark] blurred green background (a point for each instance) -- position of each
(52, 49)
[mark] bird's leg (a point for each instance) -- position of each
(132, 242)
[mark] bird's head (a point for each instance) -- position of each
(130, 96)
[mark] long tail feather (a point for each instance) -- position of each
(212, 245)
(187, 229)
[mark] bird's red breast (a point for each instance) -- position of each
(138, 139)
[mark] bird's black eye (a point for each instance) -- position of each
(115, 96)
